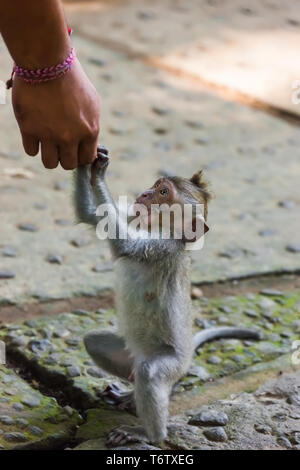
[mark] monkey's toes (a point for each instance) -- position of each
(118, 437)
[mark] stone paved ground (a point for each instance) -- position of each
(161, 115)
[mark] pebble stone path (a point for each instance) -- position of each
(167, 107)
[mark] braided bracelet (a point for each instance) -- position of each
(43, 74)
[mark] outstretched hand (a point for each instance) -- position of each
(61, 116)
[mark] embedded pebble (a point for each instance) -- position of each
(160, 111)
(231, 253)
(73, 341)
(40, 206)
(60, 185)
(35, 430)
(163, 145)
(31, 401)
(145, 15)
(9, 252)
(203, 323)
(54, 259)
(6, 420)
(251, 313)
(63, 333)
(267, 232)
(194, 124)
(271, 292)
(222, 319)
(89, 362)
(28, 227)
(7, 275)
(293, 247)
(102, 268)
(199, 372)
(79, 242)
(31, 323)
(73, 371)
(63, 222)
(209, 418)
(50, 360)
(81, 312)
(263, 428)
(217, 434)
(214, 360)
(95, 372)
(97, 61)
(266, 304)
(67, 362)
(296, 438)
(286, 204)
(100, 311)
(41, 345)
(225, 309)
(14, 437)
(283, 441)
(18, 340)
(22, 422)
(196, 293)
(18, 406)
(238, 358)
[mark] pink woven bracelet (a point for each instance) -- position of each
(43, 74)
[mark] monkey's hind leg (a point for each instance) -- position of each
(109, 352)
(154, 378)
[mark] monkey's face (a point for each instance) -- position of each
(153, 203)
(162, 192)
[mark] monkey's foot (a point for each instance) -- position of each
(125, 434)
(124, 400)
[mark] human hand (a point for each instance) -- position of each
(62, 115)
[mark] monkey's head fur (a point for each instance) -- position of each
(171, 190)
(194, 190)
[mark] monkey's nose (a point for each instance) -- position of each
(147, 194)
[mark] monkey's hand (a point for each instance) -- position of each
(99, 165)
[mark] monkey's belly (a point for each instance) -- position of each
(151, 312)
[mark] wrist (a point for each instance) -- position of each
(44, 55)
(38, 74)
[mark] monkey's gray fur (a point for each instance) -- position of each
(153, 309)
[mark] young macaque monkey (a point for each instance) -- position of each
(154, 345)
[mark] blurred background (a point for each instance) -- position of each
(184, 85)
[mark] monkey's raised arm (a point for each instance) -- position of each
(124, 244)
(85, 209)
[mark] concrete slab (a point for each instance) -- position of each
(266, 419)
(29, 420)
(53, 350)
(247, 47)
(153, 123)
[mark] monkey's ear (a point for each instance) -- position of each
(196, 179)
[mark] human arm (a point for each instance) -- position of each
(61, 116)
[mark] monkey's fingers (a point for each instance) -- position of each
(101, 149)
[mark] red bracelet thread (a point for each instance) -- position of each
(43, 74)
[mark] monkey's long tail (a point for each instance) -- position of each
(225, 332)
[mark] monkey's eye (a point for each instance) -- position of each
(164, 191)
